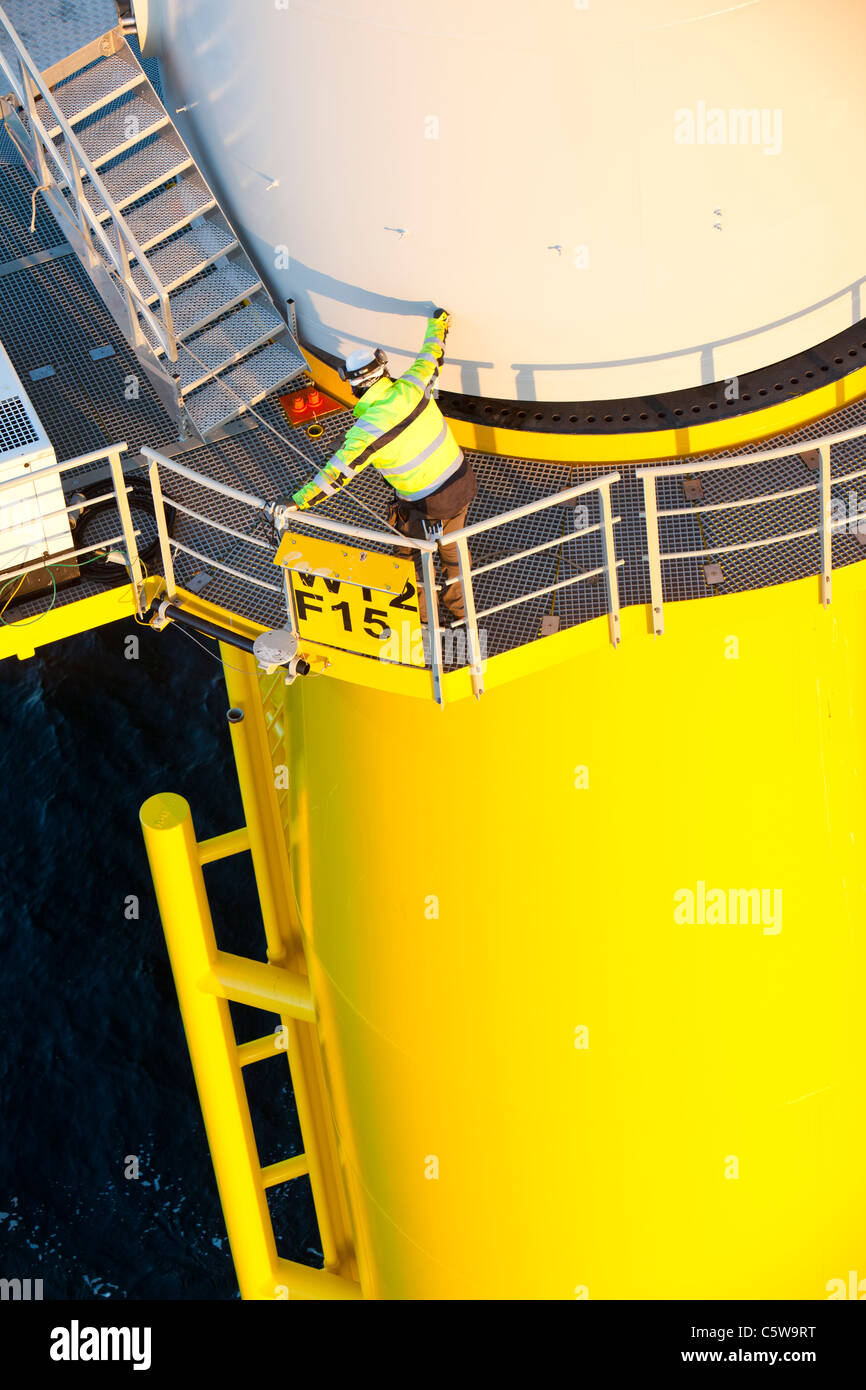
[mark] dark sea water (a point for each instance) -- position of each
(93, 1064)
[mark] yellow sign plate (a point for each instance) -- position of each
(359, 600)
(367, 567)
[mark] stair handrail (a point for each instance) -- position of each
(73, 144)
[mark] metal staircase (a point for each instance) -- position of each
(149, 230)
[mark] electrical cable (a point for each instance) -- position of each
(207, 650)
(39, 616)
(12, 595)
(105, 571)
(50, 570)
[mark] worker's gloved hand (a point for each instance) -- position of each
(280, 512)
(442, 319)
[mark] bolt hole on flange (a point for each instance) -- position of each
(840, 356)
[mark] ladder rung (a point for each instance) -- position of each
(221, 846)
(258, 983)
(285, 1171)
(260, 1049)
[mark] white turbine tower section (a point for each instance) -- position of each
(612, 197)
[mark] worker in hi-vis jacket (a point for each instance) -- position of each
(401, 430)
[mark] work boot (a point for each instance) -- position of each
(453, 596)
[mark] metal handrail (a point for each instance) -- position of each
(119, 491)
(605, 527)
(740, 501)
(650, 475)
(306, 518)
(210, 484)
(49, 561)
(609, 567)
(426, 548)
(708, 465)
(557, 499)
(165, 331)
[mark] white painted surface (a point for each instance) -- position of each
(32, 517)
(556, 129)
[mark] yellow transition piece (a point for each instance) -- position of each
(548, 1082)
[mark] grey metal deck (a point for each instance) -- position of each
(51, 29)
(51, 317)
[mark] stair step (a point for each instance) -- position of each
(142, 169)
(227, 342)
(196, 305)
(170, 210)
(87, 91)
(189, 254)
(252, 380)
(108, 136)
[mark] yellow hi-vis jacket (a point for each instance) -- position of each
(400, 430)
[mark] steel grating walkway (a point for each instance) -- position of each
(50, 317)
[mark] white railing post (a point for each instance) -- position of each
(826, 531)
(652, 544)
(429, 572)
(77, 190)
(471, 620)
(168, 325)
(135, 571)
(161, 526)
(135, 329)
(29, 88)
(610, 571)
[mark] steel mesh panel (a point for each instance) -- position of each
(237, 333)
(211, 294)
(51, 35)
(167, 209)
(51, 315)
(103, 133)
(133, 173)
(91, 87)
(185, 255)
(16, 191)
(16, 428)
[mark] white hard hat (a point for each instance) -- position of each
(363, 367)
(361, 357)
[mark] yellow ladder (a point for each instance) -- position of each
(206, 979)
